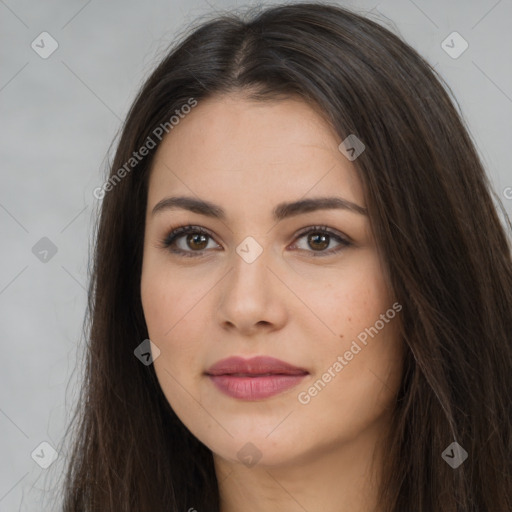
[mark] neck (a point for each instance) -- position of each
(340, 478)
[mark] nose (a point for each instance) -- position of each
(252, 298)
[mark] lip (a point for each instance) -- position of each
(255, 378)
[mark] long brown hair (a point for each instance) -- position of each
(439, 235)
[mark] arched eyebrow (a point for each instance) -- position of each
(280, 212)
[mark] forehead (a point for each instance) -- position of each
(240, 150)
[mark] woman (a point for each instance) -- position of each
(298, 220)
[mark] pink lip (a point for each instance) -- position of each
(255, 378)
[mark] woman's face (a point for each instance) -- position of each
(301, 284)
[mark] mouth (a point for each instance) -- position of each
(256, 378)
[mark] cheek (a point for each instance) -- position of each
(169, 314)
(169, 318)
(349, 299)
(168, 300)
(351, 306)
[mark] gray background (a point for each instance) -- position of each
(59, 116)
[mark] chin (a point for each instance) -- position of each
(253, 445)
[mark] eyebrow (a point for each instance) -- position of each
(280, 212)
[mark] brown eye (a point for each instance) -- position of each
(318, 238)
(318, 241)
(197, 241)
(194, 240)
(187, 241)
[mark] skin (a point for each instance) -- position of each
(247, 157)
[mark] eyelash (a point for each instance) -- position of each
(174, 234)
